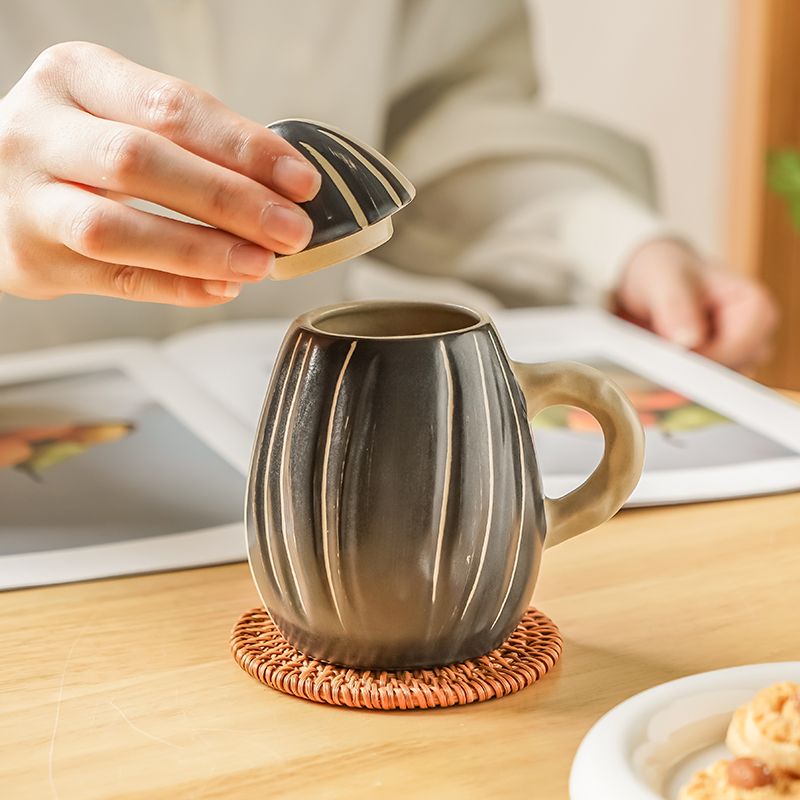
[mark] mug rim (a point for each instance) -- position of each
(310, 319)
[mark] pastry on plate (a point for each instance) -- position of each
(768, 727)
(740, 779)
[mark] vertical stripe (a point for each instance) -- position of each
(448, 464)
(371, 167)
(523, 491)
(284, 473)
(491, 479)
(338, 181)
(326, 530)
(276, 569)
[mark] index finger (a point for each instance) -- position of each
(676, 305)
(107, 85)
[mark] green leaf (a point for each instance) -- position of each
(783, 178)
(783, 172)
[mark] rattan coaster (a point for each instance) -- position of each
(527, 655)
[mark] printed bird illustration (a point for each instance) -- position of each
(661, 409)
(33, 450)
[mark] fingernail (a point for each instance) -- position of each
(289, 226)
(222, 288)
(296, 177)
(251, 260)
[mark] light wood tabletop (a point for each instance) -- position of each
(126, 688)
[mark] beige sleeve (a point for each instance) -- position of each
(464, 89)
(530, 232)
(534, 206)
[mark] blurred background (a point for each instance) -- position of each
(713, 87)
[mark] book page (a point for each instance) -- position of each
(232, 361)
(110, 464)
(710, 433)
(680, 433)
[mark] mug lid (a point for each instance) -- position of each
(359, 192)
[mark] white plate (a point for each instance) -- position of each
(649, 746)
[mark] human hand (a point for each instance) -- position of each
(669, 290)
(83, 129)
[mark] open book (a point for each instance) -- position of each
(131, 456)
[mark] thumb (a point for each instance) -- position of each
(663, 289)
(677, 310)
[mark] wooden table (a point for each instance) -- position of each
(126, 688)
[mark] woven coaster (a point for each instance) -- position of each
(527, 655)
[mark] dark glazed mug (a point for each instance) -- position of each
(395, 512)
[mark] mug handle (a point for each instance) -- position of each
(615, 477)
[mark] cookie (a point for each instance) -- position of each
(740, 779)
(768, 727)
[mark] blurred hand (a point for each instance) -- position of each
(669, 290)
(83, 129)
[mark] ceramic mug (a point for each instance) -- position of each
(395, 512)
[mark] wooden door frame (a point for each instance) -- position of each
(762, 242)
